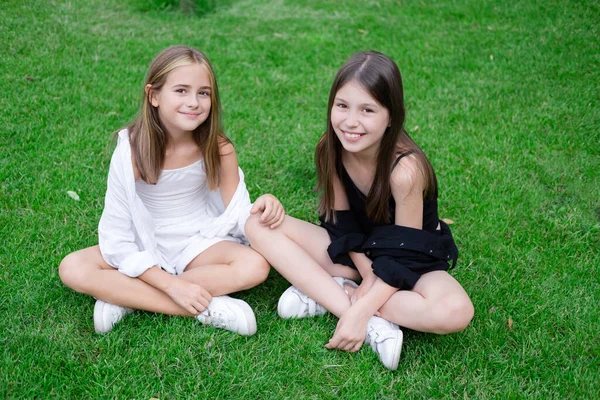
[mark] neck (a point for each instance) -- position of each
(179, 138)
(365, 158)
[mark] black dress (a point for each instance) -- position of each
(400, 254)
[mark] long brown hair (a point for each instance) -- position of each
(147, 134)
(381, 78)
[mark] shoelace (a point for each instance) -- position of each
(216, 318)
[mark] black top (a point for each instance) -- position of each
(358, 201)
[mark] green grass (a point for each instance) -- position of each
(502, 96)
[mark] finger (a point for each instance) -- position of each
(191, 309)
(377, 314)
(272, 218)
(279, 219)
(204, 302)
(207, 297)
(356, 347)
(256, 207)
(199, 307)
(266, 212)
(343, 343)
(333, 342)
(349, 346)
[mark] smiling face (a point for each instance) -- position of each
(184, 101)
(358, 120)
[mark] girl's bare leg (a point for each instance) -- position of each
(227, 267)
(85, 271)
(298, 250)
(223, 268)
(437, 304)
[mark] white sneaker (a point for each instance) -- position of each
(225, 312)
(293, 303)
(345, 281)
(107, 315)
(385, 339)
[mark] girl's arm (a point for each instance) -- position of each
(228, 175)
(272, 210)
(407, 189)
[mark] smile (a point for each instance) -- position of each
(190, 115)
(351, 136)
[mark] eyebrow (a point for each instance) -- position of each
(362, 105)
(188, 86)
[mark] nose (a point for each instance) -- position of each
(351, 120)
(193, 101)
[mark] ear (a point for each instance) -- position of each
(151, 95)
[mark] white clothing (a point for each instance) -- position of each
(175, 206)
(136, 229)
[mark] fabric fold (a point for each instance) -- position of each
(126, 229)
(401, 255)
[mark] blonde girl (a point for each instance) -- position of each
(171, 236)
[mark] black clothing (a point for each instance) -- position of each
(400, 254)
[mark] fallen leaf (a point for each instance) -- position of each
(415, 128)
(492, 57)
(492, 309)
(73, 195)
(448, 221)
(510, 324)
(29, 78)
(278, 35)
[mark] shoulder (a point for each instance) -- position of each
(407, 176)
(229, 161)
(226, 147)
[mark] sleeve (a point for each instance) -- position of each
(345, 236)
(116, 231)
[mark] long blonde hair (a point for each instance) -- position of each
(147, 134)
(379, 76)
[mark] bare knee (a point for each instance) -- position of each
(70, 272)
(77, 270)
(254, 270)
(452, 314)
(254, 229)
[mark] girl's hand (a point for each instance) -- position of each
(350, 331)
(189, 296)
(273, 213)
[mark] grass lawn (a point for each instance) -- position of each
(503, 96)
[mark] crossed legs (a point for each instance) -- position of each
(223, 268)
(298, 250)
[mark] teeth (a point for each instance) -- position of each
(352, 135)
